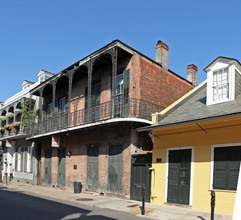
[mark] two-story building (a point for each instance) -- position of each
(18, 154)
(88, 117)
(197, 142)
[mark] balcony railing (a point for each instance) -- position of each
(20, 131)
(121, 109)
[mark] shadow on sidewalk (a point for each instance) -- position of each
(16, 205)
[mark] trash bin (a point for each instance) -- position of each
(77, 187)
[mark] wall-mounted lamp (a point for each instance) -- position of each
(69, 153)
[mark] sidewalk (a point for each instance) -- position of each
(153, 211)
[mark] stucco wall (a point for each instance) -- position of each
(224, 132)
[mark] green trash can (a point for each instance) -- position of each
(77, 187)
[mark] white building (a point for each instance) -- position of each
(18, 156)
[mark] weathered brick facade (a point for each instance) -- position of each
(146, 87)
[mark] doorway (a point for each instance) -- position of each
(179, 175)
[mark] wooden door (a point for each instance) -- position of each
(61, 166)
(115, 169)
(92, 167)
(48, 155)
(179, 176)
(140, 175)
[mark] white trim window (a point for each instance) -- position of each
(220, 84)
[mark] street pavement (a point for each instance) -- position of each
(17, 199)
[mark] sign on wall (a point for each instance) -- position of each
(55, 141)
(8, 143)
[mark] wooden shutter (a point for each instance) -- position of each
(226, 167)
(126, 88)
(220, 168)
(234, 164)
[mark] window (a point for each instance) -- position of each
(62, 105)
(220, 84)
(119, 84)
(49, 109)
(226, 167)
(119, 95)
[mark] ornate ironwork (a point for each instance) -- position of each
(122, 109)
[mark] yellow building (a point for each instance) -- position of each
(197, 142)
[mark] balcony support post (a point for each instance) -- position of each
(29, 113)
(90, 71)
(54, 82)
(40, 105)
(114, 73)
(70, 76)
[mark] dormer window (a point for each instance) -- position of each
(220, 84)
(223, 76)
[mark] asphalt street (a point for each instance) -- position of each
(17, 205)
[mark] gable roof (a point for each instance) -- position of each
(220, 58)
(192, 108)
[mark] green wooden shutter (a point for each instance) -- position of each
(126, 88)
(234, 164)
(220, 168)
(226, 167)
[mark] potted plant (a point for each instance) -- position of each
(7, 127)
(17, 111)
(9, 115)
(2, 129)
(16, 126)
(3, 118)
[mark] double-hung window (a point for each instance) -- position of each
(226, 167)
(220, 84)
(119, 95)
(62, 105)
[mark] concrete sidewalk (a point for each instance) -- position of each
(153, 211)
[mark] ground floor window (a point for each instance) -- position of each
(226, 167)
(23, 159)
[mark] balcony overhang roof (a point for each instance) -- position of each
(97, 53)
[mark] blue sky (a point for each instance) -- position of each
(52, 35)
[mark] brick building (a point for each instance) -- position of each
(90, 111)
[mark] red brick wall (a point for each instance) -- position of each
(152, 83)
(76, 144)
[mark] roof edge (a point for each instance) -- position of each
(180, 101)
(220, 57)
(188, 122)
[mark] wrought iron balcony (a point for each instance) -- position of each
(104, 111)
(10, 132)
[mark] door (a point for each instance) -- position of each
(115, 169)
(140, 175)
(61, 166)
(48, 155)
(92, 167)
(179, 176)
(38, 157)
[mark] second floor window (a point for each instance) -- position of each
(49, 109)
(220, 84)
(119, 84)
(62, 105)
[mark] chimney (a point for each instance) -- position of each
(162, 54)
(192, 74)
